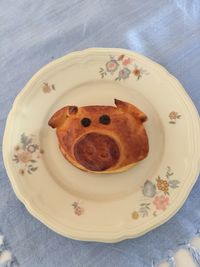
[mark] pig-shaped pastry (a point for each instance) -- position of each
(101, 139)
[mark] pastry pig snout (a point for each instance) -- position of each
(96, 152)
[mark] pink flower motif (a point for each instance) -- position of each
(31, 148)
(161, 202)
(112, 65)
(46, 88)
(78, 210)
(24, 157)
(173, 115)
(127, 61)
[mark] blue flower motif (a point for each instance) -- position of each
(149, 189)
(124, 73)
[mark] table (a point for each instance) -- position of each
(33, 33)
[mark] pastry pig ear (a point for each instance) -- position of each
(138, 114)
(60, 116)
(72, 110)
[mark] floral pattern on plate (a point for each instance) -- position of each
(46, 88)
(173, 117)
(26, 154)
(122, 68)
(157, 194)
(78, 210)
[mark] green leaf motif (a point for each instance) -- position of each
(25, 140)
(143, 211)
(15, 158)
(33, 169)
(75, 204)
(168, 169)
(102, 72)
(169, 173)
(174, 183)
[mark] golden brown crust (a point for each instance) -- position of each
(131, 109)
(125, 133)
(58, 118)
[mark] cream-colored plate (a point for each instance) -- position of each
(109, 207)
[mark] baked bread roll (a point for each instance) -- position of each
(101, 139)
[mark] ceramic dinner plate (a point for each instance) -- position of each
(102, 207)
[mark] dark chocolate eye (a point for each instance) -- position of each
(104, 119)
(86, 122)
